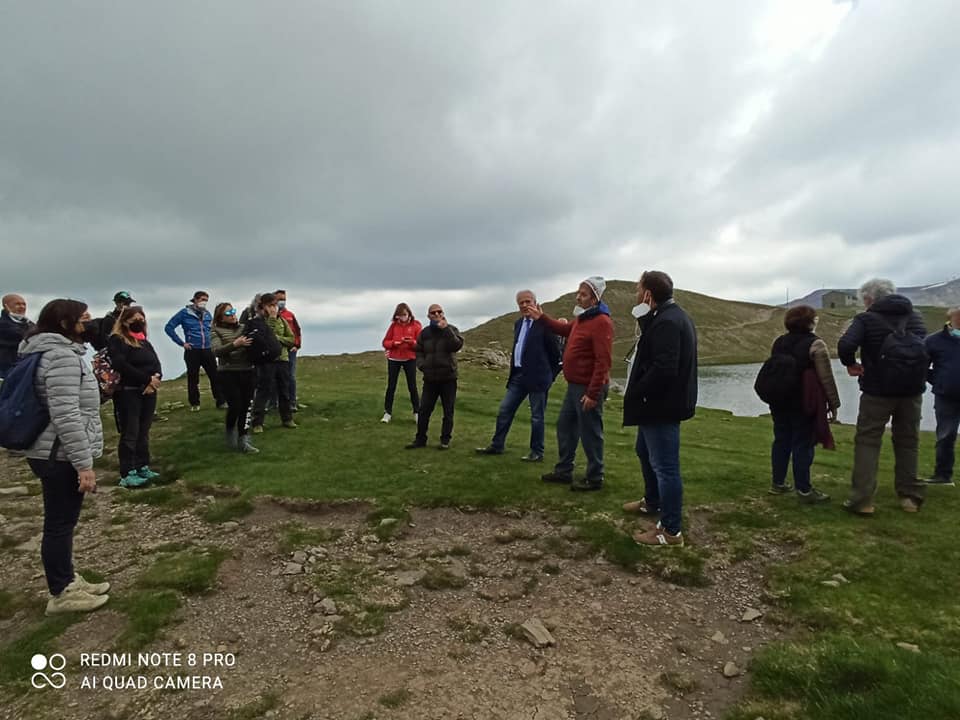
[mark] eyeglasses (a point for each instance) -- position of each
(435, 312)
(231, 312)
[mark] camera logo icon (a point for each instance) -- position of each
(55, 679)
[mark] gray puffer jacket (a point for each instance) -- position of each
(67, 387)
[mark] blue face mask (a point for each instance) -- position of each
(955, 332)
(281, 305)
(434, 323)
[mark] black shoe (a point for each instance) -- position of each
(489, 450)
(444, 446)
(414, 445)
(532, 457)
(939, 480)
(557, 477)
(780, 489)
(586, 484)
(813, 496)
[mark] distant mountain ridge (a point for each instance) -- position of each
(942, 294)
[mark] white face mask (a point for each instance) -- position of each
(18, 318)
(640, 310)
(577, 310)
(201, 305)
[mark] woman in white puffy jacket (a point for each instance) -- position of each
(62, 456)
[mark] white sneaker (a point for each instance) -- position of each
(416, 417)
(79, 583)
(72, 600)
(386, 418)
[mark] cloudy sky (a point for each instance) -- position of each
(363, 153)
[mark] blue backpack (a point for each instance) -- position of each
(22, 416)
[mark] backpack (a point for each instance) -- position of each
(780, 379)
(22, 415)
(107, 378)
(264, 347)
(902, 362)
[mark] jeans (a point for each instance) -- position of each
(409, 368)
(658, 447)
(133, 412)
(948, 420)
(792, 437)
(61, 510)
(576, 425)
(195, 358)
(872, 418)
(237, 387)
(508, 408)
(447, 392)
(273, 377)
(293, 377)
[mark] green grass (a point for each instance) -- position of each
(168, 499)
(189, 571)
(148, 613)
(15, 656)
(294, 536)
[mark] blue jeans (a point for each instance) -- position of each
(578, 426)
(508, 408)
(948, 420)
(792, 437)
(658, 447)
(293, 377)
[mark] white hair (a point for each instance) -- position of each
(526, 292)
(877, 288)
(953, 311)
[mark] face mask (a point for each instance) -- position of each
(281, 304)
(18, 318)
(90, 332)
(201, 305)
(137, 326)
(577, 311)
(640, 310)
(955, 332)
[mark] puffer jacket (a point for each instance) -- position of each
(436, 350)
(68, 389)
(196, 327)
(229, 356)
(284, 335)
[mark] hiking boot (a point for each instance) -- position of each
(257, 429)
(194, 408)
(414, 445)
(864, 511)
(146, 473)
(812, 497)
(246, 447)
(640, 507)
(74, 600)
(289, 424)
(88, 587)
(939, 480)
(558, 478)
(776, 489)
(658, 537)
(489, 450)
(586, 484)
(386, 417)
(231, 439)
(133, 480)
(909, 504)
(532, 457)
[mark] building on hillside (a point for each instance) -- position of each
(833, 299)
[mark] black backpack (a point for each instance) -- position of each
(902, 362)
(264, 347)
(780, 379)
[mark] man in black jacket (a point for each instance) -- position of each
(104, 325)
(436, 348)
(887, 390)
(661, 393)
(534, 363)
(13, 326)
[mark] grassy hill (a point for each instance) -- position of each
(729, 331)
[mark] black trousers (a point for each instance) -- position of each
(133, 412)
(237, 387)
(409, 368)
(447, 392)
(195, 358)
(273, 377)
(61, 510)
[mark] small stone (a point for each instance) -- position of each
(730, 670)
(230, 526)
(719, 637)
(300, 557)
(328, 606)
(14, 491)
(292, 568)
(596, 607)
(408, 578)
(909, 647)
(32, 545)
(537, 634)
(840, 578)
(222, 649)
(830, 583)
(750, 614)
(181, 643)
(389, 522)
(569, 532)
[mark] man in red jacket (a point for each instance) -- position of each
(291, 319)
(586, 367)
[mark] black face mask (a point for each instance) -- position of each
(137, 326)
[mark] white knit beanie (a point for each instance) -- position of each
(597, 284)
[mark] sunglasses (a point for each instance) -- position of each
(230, 313)
(435, 312)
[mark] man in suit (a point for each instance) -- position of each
(534, 363)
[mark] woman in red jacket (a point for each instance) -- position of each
(399, 343)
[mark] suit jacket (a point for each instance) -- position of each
(540, 362)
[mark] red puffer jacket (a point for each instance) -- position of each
(393, 342)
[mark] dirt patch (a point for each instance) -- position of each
(344, 625)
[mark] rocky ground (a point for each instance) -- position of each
(330, 612)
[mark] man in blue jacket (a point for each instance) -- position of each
(534, 363)
(195, 320)
(944, 375)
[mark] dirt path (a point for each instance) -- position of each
(327, 620)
